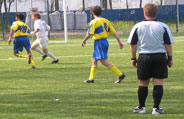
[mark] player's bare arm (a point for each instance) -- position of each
(119, 41)
(133, 49)
(169, 54)
(34, 32)
(85, 39)
(10, 37)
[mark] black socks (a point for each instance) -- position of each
(157, 95)
(142, 95)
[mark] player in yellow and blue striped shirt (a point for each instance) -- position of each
(99, 29)
(20, 32)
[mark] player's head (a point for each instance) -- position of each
(19, 16)
(97, 11)
(35, 16)
(150, 10)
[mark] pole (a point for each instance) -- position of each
(177, 17)
(31, 5)
(48, 16)
(16, 5)
(65, 21)
(2, 26)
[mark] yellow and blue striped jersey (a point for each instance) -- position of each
(20, 29)
(100, 28)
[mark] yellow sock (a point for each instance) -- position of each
(115, 70)
(22, 55)
(32, 62)
(93, 73)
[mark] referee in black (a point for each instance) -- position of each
(152, 39)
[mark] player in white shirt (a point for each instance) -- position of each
(41, 30)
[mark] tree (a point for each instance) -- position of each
(52, 6)
(161, 2)
(105, 4)
(7, 11)
(1, 3)
(110, 4)
(57, 5)
(127, 4)
(140, 4)
(83, 4)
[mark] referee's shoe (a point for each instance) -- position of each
(120, 78)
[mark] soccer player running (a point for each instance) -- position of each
(153, 40)
(20, 32)
(99, 29)
(41, 30)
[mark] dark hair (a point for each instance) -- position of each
(20, 16)
(150, 10)
(37, 15)
(97, 10)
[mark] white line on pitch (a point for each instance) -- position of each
(76, 56)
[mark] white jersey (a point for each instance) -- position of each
(42, 27)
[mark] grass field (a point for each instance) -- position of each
(31, 94)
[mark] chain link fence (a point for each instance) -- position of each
(122, 19)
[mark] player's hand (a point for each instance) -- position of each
(83, 43)
(134, 63)
(120, 44)
(9, 40)
(32, 33)
(170, 61)
(170, 64)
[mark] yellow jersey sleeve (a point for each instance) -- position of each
(111, 29)
(14, 26)
(91, 29)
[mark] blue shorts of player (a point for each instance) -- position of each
(100, 49)
(20, 42)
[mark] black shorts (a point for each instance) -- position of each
(152, 66)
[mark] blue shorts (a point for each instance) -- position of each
(20, 42)
(100, 49)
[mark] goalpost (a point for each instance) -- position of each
(65, 22)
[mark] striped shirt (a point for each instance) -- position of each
(20, 29)
(100, 28)
(150, 37)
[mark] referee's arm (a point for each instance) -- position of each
(169, 54)
(132, 40)
(168, 45)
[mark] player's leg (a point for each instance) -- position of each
(44, 46)
(144, 74)
(114, 69)
(157, 95)
(142, 95)
(16, 53)
(30, 59)
(34, 47)
(159, 72)
(55, 60)
(18, 46)
(93, 71)
(27, 46)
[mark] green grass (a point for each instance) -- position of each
(30, 94)
(125, 26)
